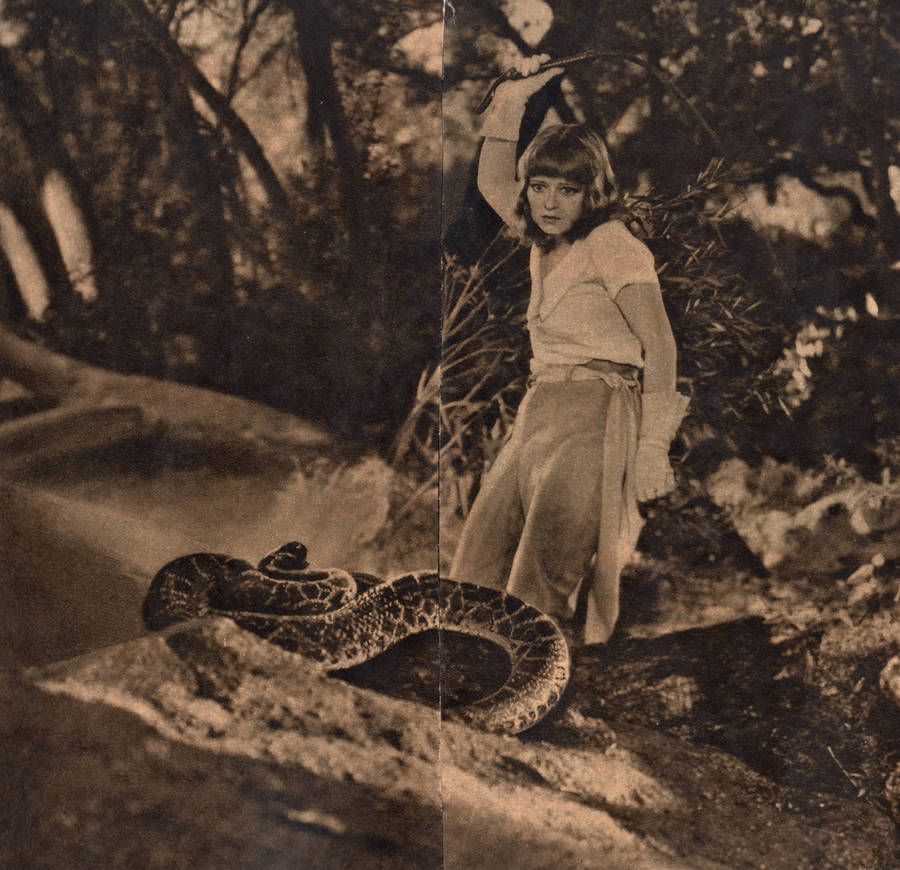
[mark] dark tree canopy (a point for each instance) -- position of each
(259, 184)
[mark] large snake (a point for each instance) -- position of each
(339, 620)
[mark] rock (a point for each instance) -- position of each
(795, 712)
(90, 785)
(624, 795)
(268, 705)
(792, 519)
(889, 679)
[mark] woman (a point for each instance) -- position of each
(591, 438)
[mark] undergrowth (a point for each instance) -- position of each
(722, 292)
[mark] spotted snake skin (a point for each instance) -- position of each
(338, 620)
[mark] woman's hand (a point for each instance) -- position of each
(661, 414)
(528, 66)
(502, 119)
(529, 79)
(653, 473)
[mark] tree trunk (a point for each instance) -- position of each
(243, 137)
(32, 152)
(326, 112)
(98, 407)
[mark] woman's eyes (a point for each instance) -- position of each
(565, 190)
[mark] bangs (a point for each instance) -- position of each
(567, 162)
(573, 153)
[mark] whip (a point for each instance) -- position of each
(591, 55)
(513, 73)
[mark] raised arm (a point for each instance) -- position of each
(497, 163)
(497, 177)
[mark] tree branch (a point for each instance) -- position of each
(103, 406)
(243, 37)
(151, 27)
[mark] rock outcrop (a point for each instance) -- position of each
(603, 783)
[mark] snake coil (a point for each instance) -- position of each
(338, 620)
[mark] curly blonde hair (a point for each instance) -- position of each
(576, 153)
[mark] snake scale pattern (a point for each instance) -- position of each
(338, 620)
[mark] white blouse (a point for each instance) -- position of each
(572, 313)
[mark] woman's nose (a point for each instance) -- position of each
(550, 199)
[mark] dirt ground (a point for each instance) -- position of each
(735, 721)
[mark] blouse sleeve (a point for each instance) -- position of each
(619, 258)
(643, 308)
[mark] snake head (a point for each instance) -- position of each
(287, 558)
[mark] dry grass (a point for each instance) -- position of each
(721, 290)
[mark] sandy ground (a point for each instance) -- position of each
(89, 786)
(127, 757)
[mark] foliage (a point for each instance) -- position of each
(226, 257)
(470, 397)
(730, 314)
(796, 91)
(201, 278)
(777, 80)
(851, 411)
(721, 294)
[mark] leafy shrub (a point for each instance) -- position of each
(722, 294)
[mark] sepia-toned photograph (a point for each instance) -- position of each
(450, 437)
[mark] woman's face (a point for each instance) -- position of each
(555, 203)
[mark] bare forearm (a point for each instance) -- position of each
(497, 177)
(497, 164)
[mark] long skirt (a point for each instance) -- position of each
(557, 509)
